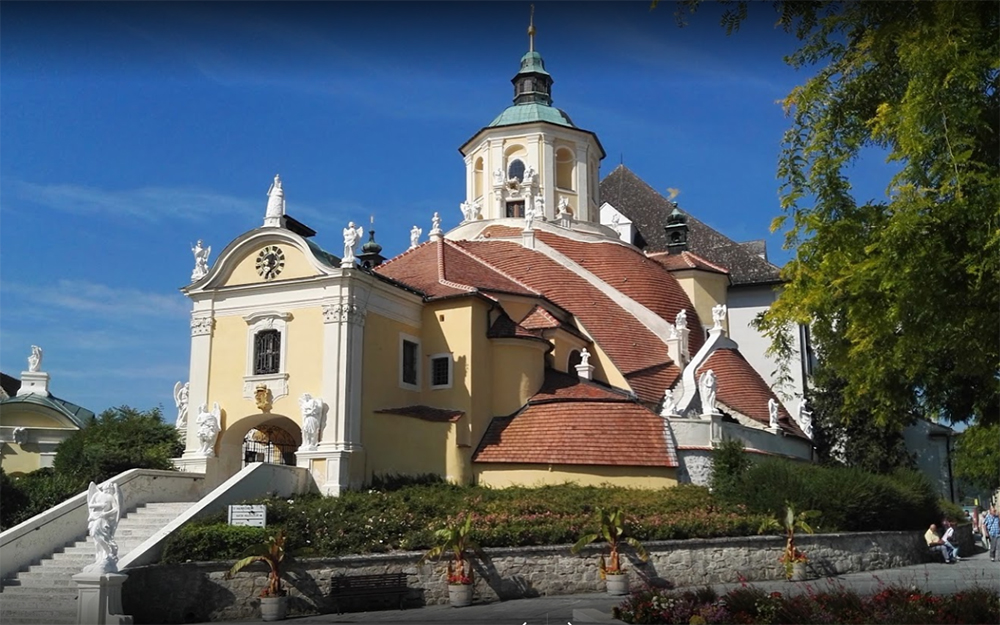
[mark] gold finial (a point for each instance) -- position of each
(373, 219)
(531, 31)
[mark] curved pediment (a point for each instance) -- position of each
(263, 256)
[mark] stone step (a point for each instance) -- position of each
(40, 602)
(37, 580)
(35, 591)
(56, 617)
(52, 567)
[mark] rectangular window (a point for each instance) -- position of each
(409, 362)
(515, 209)
(441, 371)
(267, 352)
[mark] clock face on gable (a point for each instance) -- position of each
(270, 262)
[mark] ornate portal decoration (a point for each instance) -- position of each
(104, 509)
(262, 396)
(270, 262)
(201, 325)
(344, 312)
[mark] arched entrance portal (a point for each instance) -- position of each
(269, 443)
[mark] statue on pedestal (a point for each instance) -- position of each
(200, 261)
(772, 413)
(275, 203)
(104, 506)
(707, 388)
(415, 233)
(181, 392)
(312, 410)
(209, 426)
(35, 359)
(718, 316)
(352, 235)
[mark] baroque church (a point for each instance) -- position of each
(568, 329)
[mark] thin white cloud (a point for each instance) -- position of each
(151, 204)
(81, 296)
(145, 371)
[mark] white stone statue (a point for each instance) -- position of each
(209, 425)
(470, 211)
(498, 177)
(436, 223)
(615, 224)
(562, 207)
(415, 233)
(585, 357)
(275, 203)
(669, 404)
(772, 413)
(707, 388)
(718, 316)
(352, 236)
(681, 320)
(805, 418)
(35, 359)
(312, 410)
(529, 215)
(181, 392)
(529, 175)
(20, 435)
(200, 261)
(104, 506)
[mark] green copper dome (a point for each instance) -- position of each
(532, 62)
(531, 112)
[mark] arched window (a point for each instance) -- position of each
(477, 178)
(564, 169)
(516, 170)
(574, 359)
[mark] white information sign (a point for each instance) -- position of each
(254, 515)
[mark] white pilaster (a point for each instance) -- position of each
(584, 212)
(202, 327)
(549, 177)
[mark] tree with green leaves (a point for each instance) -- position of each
(118, 440)
(977, 457)
(901, 294)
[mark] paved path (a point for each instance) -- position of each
(938, 578)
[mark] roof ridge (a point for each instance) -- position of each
(442, 269)
(397, 257)
(492, 268)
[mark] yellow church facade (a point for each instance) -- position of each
(527, 345)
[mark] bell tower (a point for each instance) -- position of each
(532, 153)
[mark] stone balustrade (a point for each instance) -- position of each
(200, 592)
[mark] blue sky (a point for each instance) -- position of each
(130, 130)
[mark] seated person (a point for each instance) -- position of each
(949, 535)
(936, 544)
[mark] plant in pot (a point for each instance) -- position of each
(792, 558)
(612, 528)
(273, 599)
(456, 539)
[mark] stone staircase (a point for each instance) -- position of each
(45, 593)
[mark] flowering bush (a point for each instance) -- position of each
(753, 606)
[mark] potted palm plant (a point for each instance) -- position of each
(273, 599)
(792, 558)
(612, 528)
(456, 539)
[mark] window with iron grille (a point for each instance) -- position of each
(441, 371)
(409, 362)
(267, 352)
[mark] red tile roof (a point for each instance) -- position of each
(577, 422)
(686, 260)
(505, 328)
(539, 319)
(426, 413)
(741, 388)
(630, 345)
(442, 269)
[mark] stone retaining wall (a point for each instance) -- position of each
(195, 592)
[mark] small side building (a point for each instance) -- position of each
(33, 421)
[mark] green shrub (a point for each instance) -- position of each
(729, 463)
(212, 542)
(34, 493)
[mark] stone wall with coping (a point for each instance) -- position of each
(196, 592)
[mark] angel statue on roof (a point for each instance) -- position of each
(200, 261)
(352, 236)
(275, 203)
(415, 233)
(104, 506)
(772, 413)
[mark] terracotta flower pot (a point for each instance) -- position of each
(460, 595)
(617, 584)
(273, 608)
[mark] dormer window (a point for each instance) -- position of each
(516, 170)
